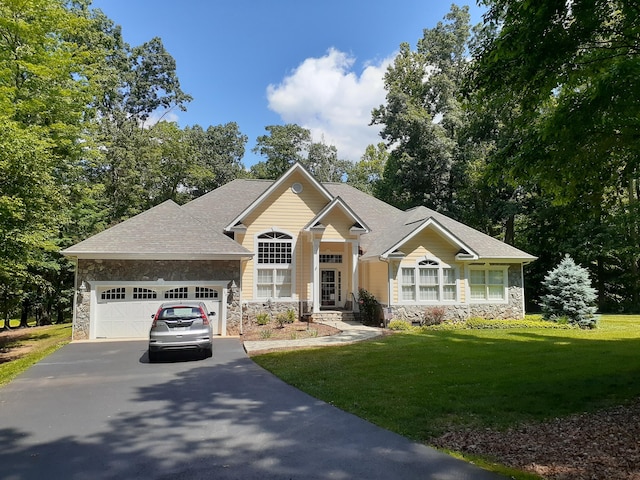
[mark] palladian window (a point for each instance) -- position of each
(274, 262)
(428, 282)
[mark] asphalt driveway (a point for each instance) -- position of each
(101, 411)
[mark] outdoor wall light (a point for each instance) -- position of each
(83, 288)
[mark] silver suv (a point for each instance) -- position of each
(181, 325)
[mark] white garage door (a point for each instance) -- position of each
(126, 311)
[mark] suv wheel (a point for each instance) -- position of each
(153, 356)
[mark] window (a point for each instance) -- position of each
(274, 283)
(428, 281)
(487, 284)
(206, 292)
(180, 292)
(330, 258)
(274, 247)
(275, 258)
(117, 293)
(140, 293)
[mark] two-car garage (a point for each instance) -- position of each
(125, 310)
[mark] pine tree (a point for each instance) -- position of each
(570, 295)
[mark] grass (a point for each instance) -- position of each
(33, 345)
(421, 384)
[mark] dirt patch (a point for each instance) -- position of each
(16, 343)
(600, 445)
(290, 331)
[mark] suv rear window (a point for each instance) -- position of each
(180, 312)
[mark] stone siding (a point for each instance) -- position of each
(90, 271)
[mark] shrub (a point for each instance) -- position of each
(283, 318)
(263, 318)
(291, 315)
(433, 316)
(399, 325)
(368, 307)
(570, 295)
(265, 334)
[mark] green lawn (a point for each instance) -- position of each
(422, 384)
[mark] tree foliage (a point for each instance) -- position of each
(287, 144)
(563, 78)
(422, 115)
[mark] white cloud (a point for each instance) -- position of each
(327, 97)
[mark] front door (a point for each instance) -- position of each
(330, 288)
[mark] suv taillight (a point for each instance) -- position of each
(205, 317)
(155, 319)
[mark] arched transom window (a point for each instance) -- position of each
(274, 247)
(274, 265)
(428, 281)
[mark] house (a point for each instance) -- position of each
(255, 246)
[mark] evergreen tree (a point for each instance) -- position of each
(570, 294)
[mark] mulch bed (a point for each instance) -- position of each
(601, 445)
(290, 331)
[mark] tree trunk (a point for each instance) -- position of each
(634, 234)
(24, 314)
(509, 230)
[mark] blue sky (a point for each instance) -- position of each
(315, 63)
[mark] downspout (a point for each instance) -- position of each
(75, 298)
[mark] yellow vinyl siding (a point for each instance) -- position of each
(288, 212)
(429, 244)
(337, 226)
(285, 210)
(377, 273)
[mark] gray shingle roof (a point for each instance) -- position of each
(389, 226)
(164, 230)
(161, 230)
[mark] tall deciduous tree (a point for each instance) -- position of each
(44, 92)
(567, 72)
(367, 173)
(291, 143)
(422, 115)
(284, 146)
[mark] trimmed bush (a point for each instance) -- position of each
(399, 325)
(369, 307)
(263, 318)
(283, 318)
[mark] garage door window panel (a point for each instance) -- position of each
(117, 293)
(206, 292)
(140, 293)
(177, 293)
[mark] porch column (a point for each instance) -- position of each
(354, 267)
(315, 268)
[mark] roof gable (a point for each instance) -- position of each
(430, 222)
(296, 168)
(359, 226)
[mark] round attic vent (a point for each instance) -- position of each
(296, 188)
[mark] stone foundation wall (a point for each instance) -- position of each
(513, 309)
(91, 271)
(251, 309)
